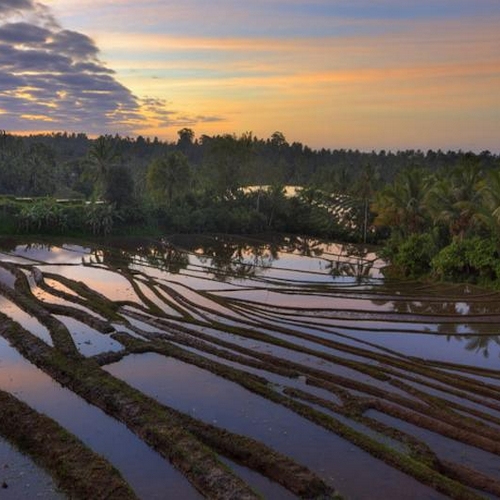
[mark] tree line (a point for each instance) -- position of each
(438, 212)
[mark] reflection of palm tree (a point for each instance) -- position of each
(351, 262)
(112, 258)
(308, 247)
(167, 258)
(478, 343)
(359, 269)
(239, 259)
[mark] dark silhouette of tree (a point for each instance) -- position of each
(168, 176)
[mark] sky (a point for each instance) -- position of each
(360, 74)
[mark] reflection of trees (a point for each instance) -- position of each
(308, 247)
(239, 259)
(442, 307)
(167, 258)
(478, 343)
(8, 245)
(359, 269)
(161, 255)
(351, 262)
(111, 258)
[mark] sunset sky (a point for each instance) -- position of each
(389, 74)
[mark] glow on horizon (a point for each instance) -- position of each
(370, 76)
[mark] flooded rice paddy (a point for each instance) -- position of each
(225, 367)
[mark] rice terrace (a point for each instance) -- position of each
(230, 367)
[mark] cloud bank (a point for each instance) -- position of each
(52, 78)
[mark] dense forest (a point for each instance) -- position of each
(436, 212)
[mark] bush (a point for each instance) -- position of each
(414, 255)
(473, 259)
(42, 215)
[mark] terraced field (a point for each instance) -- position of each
(232, 368)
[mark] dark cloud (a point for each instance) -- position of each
(21, 33)
(74, 44)
(159, 110)
(53, 79)
(7, 6)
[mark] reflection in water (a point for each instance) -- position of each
(290, 309)
(226, 405)
(229, 259)
(148, 474)
(21, 478)
(479, 343)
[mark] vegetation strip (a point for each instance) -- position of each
(415, 468)
(78, 471)
(162, 427)
(155, 424)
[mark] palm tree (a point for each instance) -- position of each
(364, 191)
(490, 189)
(168, 176)
(103, 155)
(456, 200)
(402, 205)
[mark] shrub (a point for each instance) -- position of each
(414, 255)
(471, 259)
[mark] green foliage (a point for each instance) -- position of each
(99, 218)
(193, 185)
(413, 255)
(168, 178)
(472, 259)
(402, 205)
(119, 187)
(44, 215)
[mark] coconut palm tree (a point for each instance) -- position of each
(490, 189)
(455, 200)
(403, 205)
(103, 155)
(168, 176)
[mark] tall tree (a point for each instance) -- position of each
(364, 190)
(455, 200)
(168, 177)
(103, 155)
(402, 205)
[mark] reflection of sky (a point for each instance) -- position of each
(89, 341)
(306, 301)
(143, 468)
(24, 477)
(225, 404)
(449, 449)
(108, 283)
(49, 254)
(28, 322)
(435, 347)
(7, 277)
